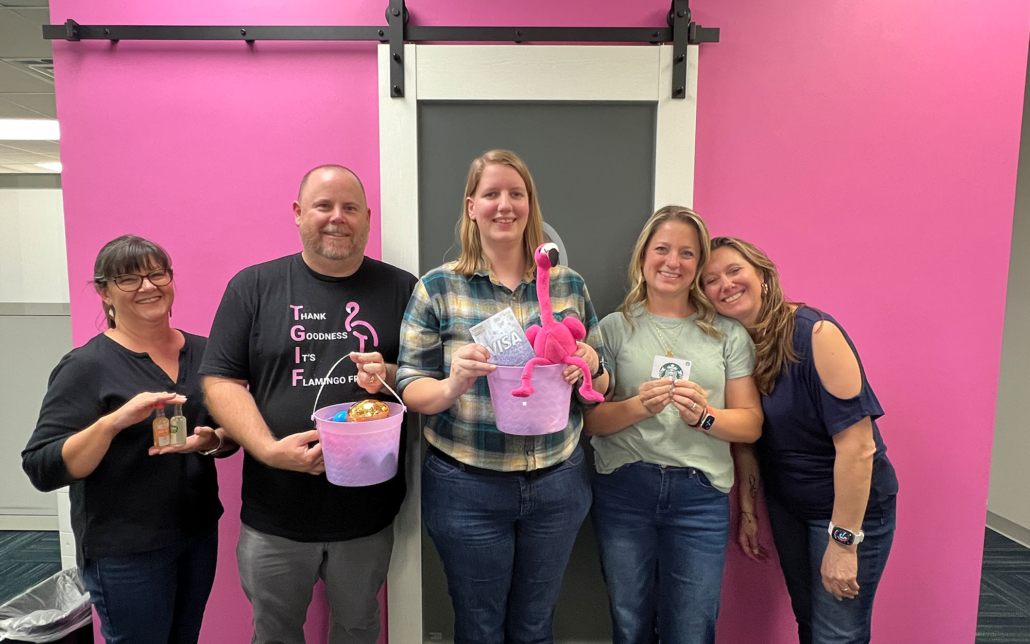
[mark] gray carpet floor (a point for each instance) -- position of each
(1004, 616)
(27, 558)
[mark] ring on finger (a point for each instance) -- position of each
(693, 406)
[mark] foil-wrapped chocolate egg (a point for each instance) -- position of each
(367, 410)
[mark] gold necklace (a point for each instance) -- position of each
(661, 336)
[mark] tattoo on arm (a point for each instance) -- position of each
(753, 483)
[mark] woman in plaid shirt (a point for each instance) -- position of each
(503, 510)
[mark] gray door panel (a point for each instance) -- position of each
(593, 164)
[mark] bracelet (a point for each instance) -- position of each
(211, 452)
(600, 370)
(700, 419)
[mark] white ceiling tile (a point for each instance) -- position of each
(50, 148)
(38, 15)
(21, 37)
(22, 158)
(16, 81)
(40, 104)
(8, 170)
(9, 110)
(24, 3)
(28, 167)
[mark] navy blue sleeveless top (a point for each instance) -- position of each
(796, 449)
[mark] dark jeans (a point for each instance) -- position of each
(504, 541)
(154, 597)
(801, 545)
(662, 533)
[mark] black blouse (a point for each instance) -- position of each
(132, 502)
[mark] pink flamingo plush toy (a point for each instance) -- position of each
(554, 342)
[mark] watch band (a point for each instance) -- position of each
(211, 452)
(705, 420)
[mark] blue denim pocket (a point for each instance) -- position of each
(703, 482)
(438, 467)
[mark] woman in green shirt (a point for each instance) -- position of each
(662, 443)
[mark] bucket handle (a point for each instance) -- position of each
(317, 396)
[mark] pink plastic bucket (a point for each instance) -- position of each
(360, 453)
(545, 412)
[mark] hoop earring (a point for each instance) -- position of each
(765, 288)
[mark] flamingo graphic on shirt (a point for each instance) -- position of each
(351, 325)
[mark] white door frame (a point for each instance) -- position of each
(506, 73)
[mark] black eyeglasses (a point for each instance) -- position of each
(131, 283)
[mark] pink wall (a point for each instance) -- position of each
(855, 142)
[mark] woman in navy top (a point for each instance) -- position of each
(145, 518)
(830, 488)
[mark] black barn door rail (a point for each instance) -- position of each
(681, 31)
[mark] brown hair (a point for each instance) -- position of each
(468, 232)
(773, 332)
(696, 296)
(126, 254)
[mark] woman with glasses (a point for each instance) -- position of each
(145, 518)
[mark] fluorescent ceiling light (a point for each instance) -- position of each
(53, 166)
(29, 130)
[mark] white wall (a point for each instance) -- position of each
(33, 261)
(1009, 502)
(35, 331)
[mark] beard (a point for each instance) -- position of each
(340, 248)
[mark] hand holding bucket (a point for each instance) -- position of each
(357, 454)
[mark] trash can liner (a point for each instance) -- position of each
(48, 611)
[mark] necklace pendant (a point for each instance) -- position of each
(668, 354)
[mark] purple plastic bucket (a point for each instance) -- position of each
(545, 412)
(360, 453)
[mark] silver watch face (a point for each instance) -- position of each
(843, 536)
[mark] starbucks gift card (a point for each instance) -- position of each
(503, 337)
(670, 368)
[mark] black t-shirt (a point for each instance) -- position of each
(132, 502)
(280, 327)
(796, 450)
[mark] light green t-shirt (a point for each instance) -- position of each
(664, 439)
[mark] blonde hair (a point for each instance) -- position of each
(468, 232)
(696, 296)
(773, 332)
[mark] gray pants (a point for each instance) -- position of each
(278, 574)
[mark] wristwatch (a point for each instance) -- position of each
(845, 537)
(600, 370)
(708, 419)
(705, 420)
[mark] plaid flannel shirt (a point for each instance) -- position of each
(440, 314)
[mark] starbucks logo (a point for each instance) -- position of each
(671, 370)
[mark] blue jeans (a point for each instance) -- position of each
(154, 597)
(504, 541)
(801, 545)
(662, 533)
